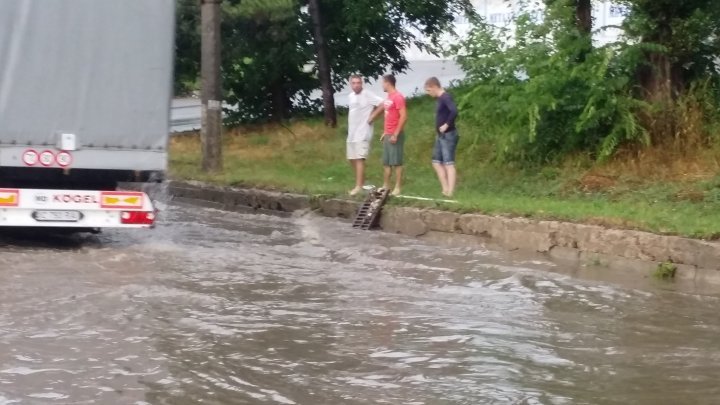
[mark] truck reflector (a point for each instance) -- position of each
(112, 199)
(9, 198)
(137, 218)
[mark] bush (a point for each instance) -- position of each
(541, 92)
(547, 94)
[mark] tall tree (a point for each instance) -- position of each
(680, 43)
(187, 46)
(267, 50)
(269, 45)
(372, 37)
(323, 62)
(578, 18)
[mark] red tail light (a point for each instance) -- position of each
(137, 218)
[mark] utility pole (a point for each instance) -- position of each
(211, 130)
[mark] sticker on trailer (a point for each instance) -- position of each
(30, 157)
(111, 199)
(41, 198)
(64, 159)
(75, 199)
(9, 198)
(47, 158)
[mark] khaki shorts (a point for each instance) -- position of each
(358, 150)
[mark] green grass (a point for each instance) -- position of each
(665, 271)
(673, 198)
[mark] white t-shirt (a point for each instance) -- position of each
(361, 106)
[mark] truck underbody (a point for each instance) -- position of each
(73, 179)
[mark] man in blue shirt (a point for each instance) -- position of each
(443, 158)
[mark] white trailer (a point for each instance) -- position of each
(85, 93)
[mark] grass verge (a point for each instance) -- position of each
(659, 190)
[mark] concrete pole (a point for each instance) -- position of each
(211, 130)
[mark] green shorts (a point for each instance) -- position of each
(393, 153)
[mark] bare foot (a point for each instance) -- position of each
(355, 191)
(447, 194)
(396, 192)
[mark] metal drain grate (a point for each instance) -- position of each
(368, 214)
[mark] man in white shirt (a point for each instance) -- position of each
(360, 130)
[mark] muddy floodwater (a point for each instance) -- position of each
(221, 308)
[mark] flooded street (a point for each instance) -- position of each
(222, 308)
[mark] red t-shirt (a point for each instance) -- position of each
(394, 103)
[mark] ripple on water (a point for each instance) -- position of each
(252, 309)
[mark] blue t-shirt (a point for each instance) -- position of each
(446, 112)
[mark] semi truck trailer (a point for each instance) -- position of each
(85, 93)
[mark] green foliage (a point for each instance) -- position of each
(547, 94)
(542, 91)
(187, 46)
(369, 37)
(268, 48)
(677, 46)
(264, 53)
(665, 271)
(687, 32)
(269, 9)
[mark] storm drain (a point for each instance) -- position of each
(369, 212)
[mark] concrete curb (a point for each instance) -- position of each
(566, 242)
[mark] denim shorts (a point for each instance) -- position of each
(445, 146)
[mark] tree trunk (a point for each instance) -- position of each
(584, 23)
(323, 61)
(583, 15)
(280, 103)
(656, 78)
(660, 77)
(661, 81)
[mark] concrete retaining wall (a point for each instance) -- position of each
(566, 242)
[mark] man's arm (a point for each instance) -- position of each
(403, 120)
(452, 108)
(378, 110)
(401, 124)
(374, 99)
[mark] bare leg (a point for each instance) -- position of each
(387, 174)
(451, 178)
(358, 168)
(442, 176)
(359, 173)
(398, 180)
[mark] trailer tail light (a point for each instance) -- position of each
(137, 217)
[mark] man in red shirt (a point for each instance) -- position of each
(393, 138)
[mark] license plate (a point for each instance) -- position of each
(57, 216)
